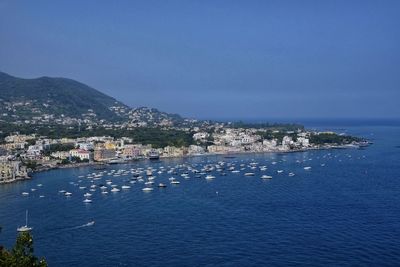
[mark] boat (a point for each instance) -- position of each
(87, 200)
(115, 189)
(153, 155)
(68, 194)
(91, 223)
(175, 182)
(25, 193)
(125, 187)
(249, 174)
(210, 177)
(266, 177)
(25, 228)
(116, 161)
(279, 171)
(291, 174)
(147, 189)
(161, 185)
(87, 195)
(307, 168)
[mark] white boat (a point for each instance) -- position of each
(210, 177)
(161, 185)
(90, 223)
(87, 195)
(87, 200)
(266, 177)
(104, 192)
(115, 189)
(279, 171)
(147, 189)
(291, 174)
(307, 168)
(25, 193)
(68, 194)
(125, 187)
(249, 174)
(175, 182)
(25, 228)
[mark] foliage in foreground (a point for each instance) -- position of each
(21, 255)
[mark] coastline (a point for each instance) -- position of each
(95, 163)
(226, 154)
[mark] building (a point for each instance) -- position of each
(11, 171)
(86, 146)
(103, 154)
(131, 151)
(60, 154)
(81, 154)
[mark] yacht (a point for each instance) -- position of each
(87, 200)
(115, 189)
(266, 177)
(125, 187)
(161, 185)
(147, 189)
(307, 168)
(91, 223)
(25, 228)
(154, 155)
(210, 177)
(249, 174)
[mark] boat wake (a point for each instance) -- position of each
(91, 223)
(84, 225)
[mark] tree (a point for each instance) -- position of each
(21, 255)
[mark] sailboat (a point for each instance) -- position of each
(25, 228)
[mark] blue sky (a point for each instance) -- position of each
(216, 59)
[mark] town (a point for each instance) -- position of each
(21, 154)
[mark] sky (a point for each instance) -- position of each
(216, 59)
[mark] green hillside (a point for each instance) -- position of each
(56, 96)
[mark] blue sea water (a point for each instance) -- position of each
(344, 211)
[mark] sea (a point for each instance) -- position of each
(343, 211)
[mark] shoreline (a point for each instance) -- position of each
(233, 154)
(229, 154)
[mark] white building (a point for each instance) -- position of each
(82, 154)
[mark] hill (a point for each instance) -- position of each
(54, 98)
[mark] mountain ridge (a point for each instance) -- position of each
(24, 99)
